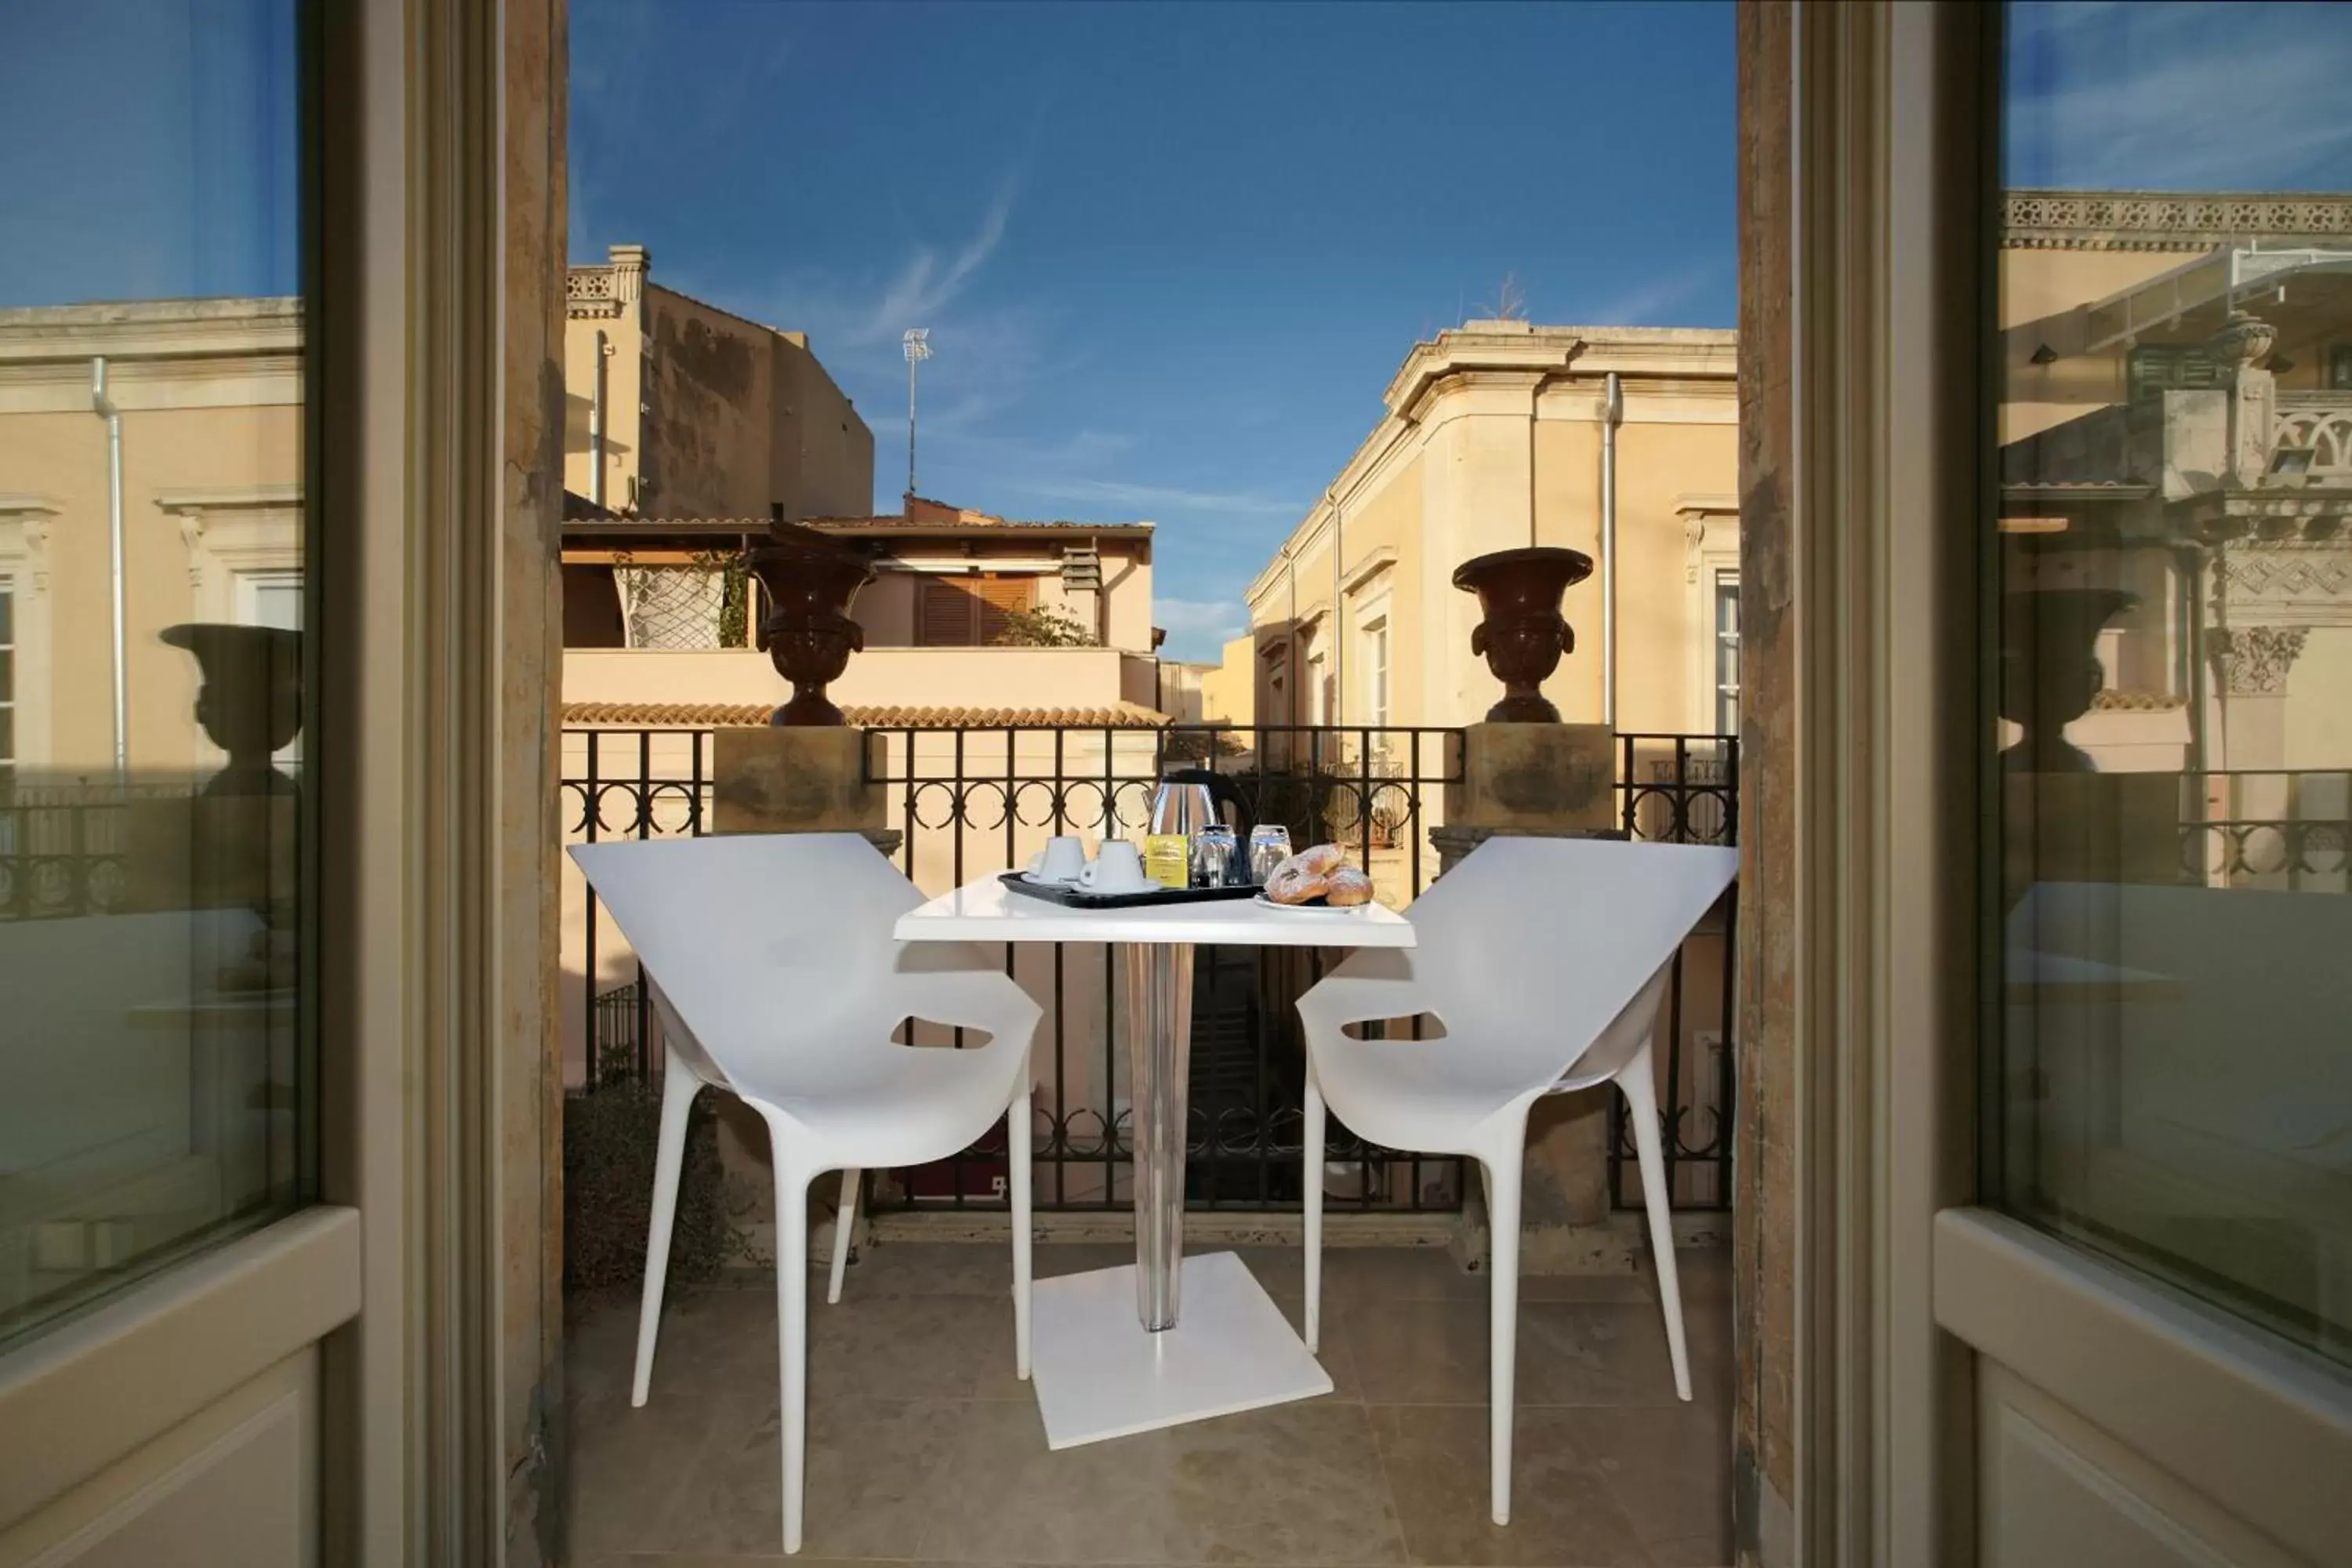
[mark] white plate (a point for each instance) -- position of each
(1035, 880)
(1311, 908)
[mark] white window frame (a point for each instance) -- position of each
(1725, 644)
(25, 529)
(1710, 554)
(231, 534)
(1378, 647)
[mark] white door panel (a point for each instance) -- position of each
(2158, 1288)
(2056, 1493)
(235, 1484)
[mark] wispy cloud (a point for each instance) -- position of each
(927, 284)
(1168, 497)
(1644, 304)
(2177, 97)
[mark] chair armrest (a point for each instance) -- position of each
(985, 999)
(1373, 983)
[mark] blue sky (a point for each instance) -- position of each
(1169, 257)
(147, 149)
(2125, 95)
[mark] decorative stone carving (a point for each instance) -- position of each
(2242, 342)
(591, 292)
(2253, 661)
(2304, 578)
(2325, 428)
(602, 292)
(191, 535)
(2151, 220)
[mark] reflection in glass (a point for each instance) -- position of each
(152, 558)
(2172, 581)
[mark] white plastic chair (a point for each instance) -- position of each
(777, 978)
(1545, 960)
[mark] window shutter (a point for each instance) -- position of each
(943, 615)
(996, 597)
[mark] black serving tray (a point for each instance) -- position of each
(1080, 898)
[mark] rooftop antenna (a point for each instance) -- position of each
(918, 344)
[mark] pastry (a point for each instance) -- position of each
(1304, 876)
(1347, 887)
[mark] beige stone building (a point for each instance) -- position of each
(207, 401)
(689, 429)
(1229, 687)
(2139, 454)
(673, 408)
(1499, 434)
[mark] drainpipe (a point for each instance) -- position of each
(1339, 632)
(1613, 410)
(596, 425)
(103, 406)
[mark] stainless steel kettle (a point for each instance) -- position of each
(1190, 799)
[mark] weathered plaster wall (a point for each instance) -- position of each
(1764, 1228)
(530, 1078)
(710, 384)
(741, 417)
(824, 459)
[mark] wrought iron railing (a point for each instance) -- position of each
(66, 848)
(1684, 789)
(967, 802)
(2284, 830)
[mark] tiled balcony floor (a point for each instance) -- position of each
(923, 1447)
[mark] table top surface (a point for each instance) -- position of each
(987, 910)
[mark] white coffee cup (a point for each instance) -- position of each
(1118, 868)
(1060, 861)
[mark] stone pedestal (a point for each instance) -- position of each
(796, 779)
(1549, 780)
(1534, 778)
(785, 779)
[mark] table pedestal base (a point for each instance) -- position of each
(1098, 1373)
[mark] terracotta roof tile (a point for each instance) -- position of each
(712, 715)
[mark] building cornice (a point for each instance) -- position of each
(2164, 220)
(152, 329)
(1550, 365)
(1367, 567)
(201, 504)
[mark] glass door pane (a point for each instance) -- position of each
(155, 552)
(2168, 736)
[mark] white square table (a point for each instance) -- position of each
(1101, 1372)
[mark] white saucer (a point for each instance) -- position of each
(1034, 880)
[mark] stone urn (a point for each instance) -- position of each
(2050, 669)
(1524, 632)
(2242, 342)
(251, 699)
(811, 582)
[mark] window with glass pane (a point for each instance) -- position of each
(2169, 581)
(1726, 653)
(154, 549)
(7, 685)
